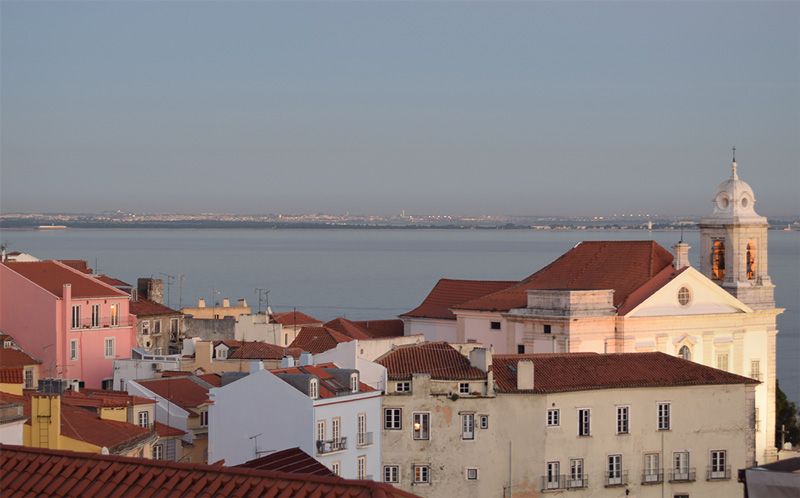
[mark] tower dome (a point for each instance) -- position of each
(734, 198)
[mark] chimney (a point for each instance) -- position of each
(681, 255)
(45, 421)
(481, 358)
(255, 366)
(226, 303)
(241, 303)
(287, 362)
(201, 303)
(524, 375)
(306, 359)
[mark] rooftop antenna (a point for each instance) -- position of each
(170, 278)
(733, 165)
(263, 297)
(3, 249)
(180, 290)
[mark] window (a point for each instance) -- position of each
(422, 474)
(468, 426)
(204, 418)
(121, 384)
(718, 468)
(680, 470)
(463, 388)
(222, 353)
(73, 349)
(403, 387)
(354, 383)
(362, 467)
(751, 260)
(143, 419)
(156, 327)
(552, 480)
(115, 314)
(622, 419)
(392, 418)
(614, 470)
(336, 468)
(651, 471)
(722, 361)
(391, 473)
(484, 421)
(95, 315)
(107, 384)
(576, 478)
(320, 430)
(145, 327)
(663, 417)
(362, 429)
(285, 339)
(495, 325)
(755, 369)
(173, 329)
(584, 422)
(422, 426)
(684, 296)
(718, 261)
(336, 430)
(685, 353)
(553, 417)
(158, 452)
(28, 379)
(109, 349)
(547, 329)
(76, 317)
(520, 349)
(313, 389)
(472, 474)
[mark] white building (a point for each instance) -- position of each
(143, 365)
(325, 411)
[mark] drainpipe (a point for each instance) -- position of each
(510, 490)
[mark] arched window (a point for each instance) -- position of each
(718, 261)
(751, 260)
(685, 353)
(313, 389)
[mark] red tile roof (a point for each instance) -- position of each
(143, 307)
(329, 385)
(52, 275)
(293, 461)
(449, 293)
(638, 296)
(623, 266)
(12, 375)
(315, 340)
(588, 371)
(13, 357)
(113, 282)
(184, 391)
(262, 351)
(348, 328)
(382, 328)
(292, 318)
(439, 359)
(79, 264)
(41, 472)
(94, 398)
(164, 430)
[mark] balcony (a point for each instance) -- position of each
(331, 446)
(718, 473)
(553, 482)
(682, 475)
(577, 482)
(365, 477)
(618, 478)
(106, 322)
(364, 439)
(654, 476)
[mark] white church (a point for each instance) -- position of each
(636, 296)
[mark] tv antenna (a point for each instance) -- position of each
(170, 278)
(263, 298)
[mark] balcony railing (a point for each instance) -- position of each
(553, 482)
(331, 446)
(682, 475)
(106, 322)
(655, 476)
(577, 482)
(619, 478)
(715, 473)
(364, 439)
(365, 477)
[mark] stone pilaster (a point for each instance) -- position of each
(770, 452)
(738, 366)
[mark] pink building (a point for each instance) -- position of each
(73, 322)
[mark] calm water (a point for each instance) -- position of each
(365, 275)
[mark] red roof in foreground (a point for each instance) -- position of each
(41, 472)
(623, 266)
(11, 375)
(164, 430)
(439, 359)
(52, 275)
(13, 357)
(588, 371)
(292, 318)
(293, 460)
(449, 293)
(315, 340)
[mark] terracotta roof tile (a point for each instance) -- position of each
(52, 275)
(438, 359)
(315, 340)
(382, 328)
(623, 266)
(164, 430)
(292, 318)
(449, 293)
(587, 371)
(329, 385)
(143, 307)
(184, 391)
(348, 328)
(262, 351)
(113, 282)
(98, 476)
(12, 375)
(101, 398)
(293, 461)
(13, 357)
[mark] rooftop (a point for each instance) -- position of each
(438, 359)
(293, 460)
(291, 318)
(186, 391)
(449, 293)
(52, 275)
(315, 340)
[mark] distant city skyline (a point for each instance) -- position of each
(463, 108)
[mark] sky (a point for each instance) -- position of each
(462, 108)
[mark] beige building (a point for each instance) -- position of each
(218, 312)
(206, 357)
(639, 425)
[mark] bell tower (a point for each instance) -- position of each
(733, 244)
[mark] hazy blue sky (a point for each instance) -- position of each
(374, 107)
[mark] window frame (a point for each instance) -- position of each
(76, 316)
(391, 474)
(552, 475)
(423, 433)
(718, 465)
(623, 419)
(614, 476)
(577, 472)
(463, 388)
(396, 421)
(584, 426)
(322, 431)
(663, 416)
(403, 387)
(471, 470)
(73, 349)
(144, 419)
(313, 388)
(158, 452)
(495, 325)
(361, 467)
(203, 418)
(336, 468)
(354, 382)
(484, 421)
(112, 342)
(422, 474)
(28, 376)
(554, 417)
(145, 327)
(95, 315)
(650, 472)
(361, 434)
(467, 426)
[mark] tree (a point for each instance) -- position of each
(785, 415)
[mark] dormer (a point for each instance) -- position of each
(221, 352)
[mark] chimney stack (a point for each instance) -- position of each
(287, 362)
(681, 255)
(524, 375)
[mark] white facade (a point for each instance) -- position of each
(143, 365)
(345, 355)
